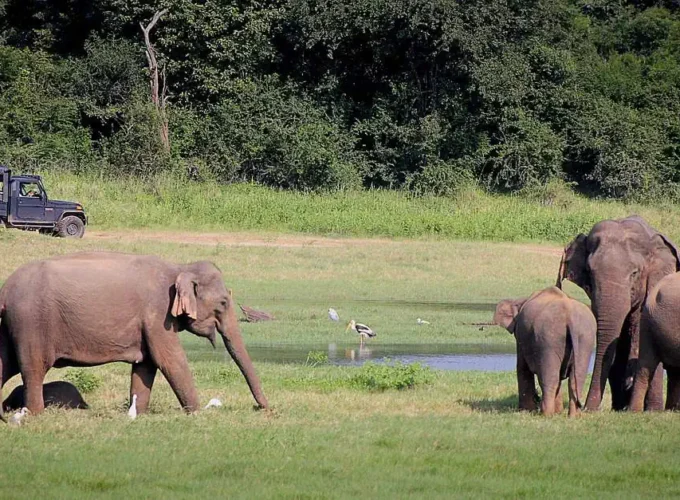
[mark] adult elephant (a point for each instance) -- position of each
(88, 309)
(616, 264)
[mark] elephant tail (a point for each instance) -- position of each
(574, 382)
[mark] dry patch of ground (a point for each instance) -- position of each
(244, 239)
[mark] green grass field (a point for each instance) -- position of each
(551, 213)
(327, 436)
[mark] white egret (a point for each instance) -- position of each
(214, 402)
(333, 314)
(422, 322)
(132, 412)
(361, 329)
(18, 416)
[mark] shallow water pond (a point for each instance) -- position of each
(457, 357)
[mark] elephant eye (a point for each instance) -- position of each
(223, 303)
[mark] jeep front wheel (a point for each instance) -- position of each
(71, 227)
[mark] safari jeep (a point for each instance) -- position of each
(24, 205)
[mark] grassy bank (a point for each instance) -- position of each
(549, 215)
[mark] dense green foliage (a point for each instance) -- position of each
(426, 95)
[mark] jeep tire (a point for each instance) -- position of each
(70, 227)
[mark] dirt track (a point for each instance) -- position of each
(281, 241)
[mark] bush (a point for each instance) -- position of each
(84, 380)
(380, 377)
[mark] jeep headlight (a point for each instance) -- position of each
(79, 207)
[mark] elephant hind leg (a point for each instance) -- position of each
(647, 371)
(559, 404)
(142, 378)
(526, 386)
(550, 385)
(654, 397)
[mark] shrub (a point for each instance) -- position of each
(84, 380)
(380, 377)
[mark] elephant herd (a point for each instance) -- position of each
(87, 309)
(629, 272)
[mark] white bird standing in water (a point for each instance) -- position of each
(361, 329)
(18, 416)
(422, 322)
(132, 412)
(333, 314)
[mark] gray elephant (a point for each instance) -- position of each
(59, 393)
(88, 309)
(659, 343)
(555, 338)
(617, 264)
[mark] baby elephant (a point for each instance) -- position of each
(555, 338)
(54, 393)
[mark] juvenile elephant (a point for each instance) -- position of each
(555, 338)
(617, 264)
(88, 309)
(659, 343)
(57, 393)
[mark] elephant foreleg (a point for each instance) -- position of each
(171, 360)
(143, 375)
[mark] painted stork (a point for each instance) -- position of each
(361, 329)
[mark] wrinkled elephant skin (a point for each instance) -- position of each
(617, 264)
(88, 309)
(555, 338)
(659, 342)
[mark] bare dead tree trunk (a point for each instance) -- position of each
(158, 89)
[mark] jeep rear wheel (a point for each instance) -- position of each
(71, 227)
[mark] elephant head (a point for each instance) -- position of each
(616, 264)
(506, 312)
(204, 306)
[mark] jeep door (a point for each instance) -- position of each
(30, 202)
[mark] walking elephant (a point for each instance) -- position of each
(659, 342)
(555, 338)
(617, 264)
(88, 309)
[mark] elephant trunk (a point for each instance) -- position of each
(233, 341)
(611, 315)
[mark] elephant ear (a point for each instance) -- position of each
(669, 246)
(506, 312)
(185, 296)
(573, 265)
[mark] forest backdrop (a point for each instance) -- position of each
(421, 95)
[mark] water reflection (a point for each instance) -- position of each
(485, 357)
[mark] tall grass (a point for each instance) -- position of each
(168, 203)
